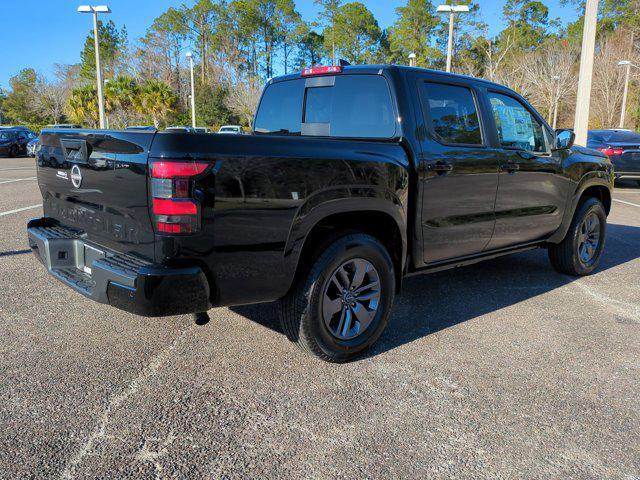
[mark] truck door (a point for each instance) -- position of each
(531, 189)
(458, 171)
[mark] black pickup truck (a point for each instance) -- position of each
(353, 178)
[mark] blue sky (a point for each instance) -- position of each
(40, 33)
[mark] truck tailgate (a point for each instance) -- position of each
(95, 181)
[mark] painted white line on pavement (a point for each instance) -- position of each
(17, 180)
(2, 214)
(626, 203)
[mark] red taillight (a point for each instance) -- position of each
(172, 184)
(174, 207)
(308, 72)
(177, 169)
(611, 151)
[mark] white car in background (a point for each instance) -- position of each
(231, 129)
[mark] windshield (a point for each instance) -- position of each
(6, 136)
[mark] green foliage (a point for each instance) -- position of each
(113, 43)
(328, 14)
(357, 34)
(527, 24)
(413, 33)
(211, 109)
(157, 100)
(17, 106)
(82, 106)
(310, 49)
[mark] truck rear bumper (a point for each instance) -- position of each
(121, 280)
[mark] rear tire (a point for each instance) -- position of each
(581, 250)
(13, 152)
(638, 182)
(341, 305)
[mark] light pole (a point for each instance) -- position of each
(581, 124)
(189, 55)
(106, 117)
(451, 10)
(556, 100)
(412, 59)
(96, 10)
(628, 64)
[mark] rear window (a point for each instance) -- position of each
(280, 109)
(357, 106)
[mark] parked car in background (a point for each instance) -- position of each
(180, 129)
(622, 147)
(231, 129)
(203, 130)
(64, 125)
(32, 146)
(14, 140)
(141, 127)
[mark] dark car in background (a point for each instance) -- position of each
(64, 125)
(622, 147)
(14, 140)
(32, 146)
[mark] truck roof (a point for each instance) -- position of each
(377, 68)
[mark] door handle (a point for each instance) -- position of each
(510, 167)
(440, 167)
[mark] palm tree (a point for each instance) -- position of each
(82, 105)
(120, 96)
(157, 100)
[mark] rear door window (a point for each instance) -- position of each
(517, 127)
(356, 106)
(452, 112)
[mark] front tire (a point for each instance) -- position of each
(581, 250)
(341, 306)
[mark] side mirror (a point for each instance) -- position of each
(564, 139)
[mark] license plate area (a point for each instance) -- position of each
(91, 254)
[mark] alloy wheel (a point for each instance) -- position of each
(351, 299)
(589, 238)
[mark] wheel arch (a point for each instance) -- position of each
(592, 185)
(383, 220)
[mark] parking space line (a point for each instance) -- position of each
(17, 180)
(9, 212)
(626, 203)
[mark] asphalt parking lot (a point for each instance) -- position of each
(504, 369)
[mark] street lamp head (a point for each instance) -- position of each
(412, 56)
(96, 9)
(452, 8)
(188, 55)
(622, 63)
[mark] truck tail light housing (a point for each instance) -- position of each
(174, 209)
(311, 71)
(611, 151)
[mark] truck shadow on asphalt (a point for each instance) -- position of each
(433, 302)
(10, 253)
